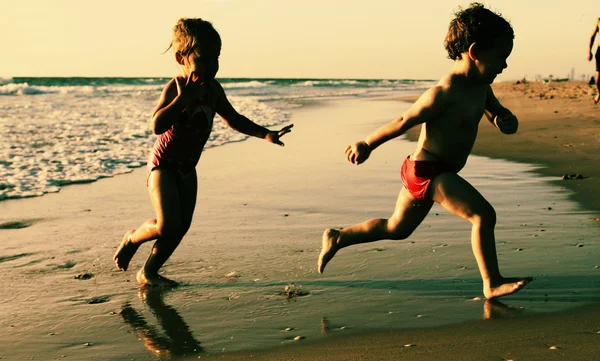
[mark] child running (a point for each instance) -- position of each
(183, 119)
(479, 41)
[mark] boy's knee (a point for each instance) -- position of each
(399, 233)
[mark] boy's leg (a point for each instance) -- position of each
(165, 245)
(162, 186)
(461, 198)
(409, 213)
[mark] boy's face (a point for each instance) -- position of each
(204, 63)
(490, 62)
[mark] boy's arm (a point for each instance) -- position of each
(592, 38)
(242, 124)
(432, 104)
(169, 107)
(498, 115)
(429, 106)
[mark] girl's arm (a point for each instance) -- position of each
(242, 124)
(174, 98)
(169, 107)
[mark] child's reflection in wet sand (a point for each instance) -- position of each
(177, 338)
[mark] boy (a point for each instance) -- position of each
(479, 41)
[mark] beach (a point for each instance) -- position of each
(248, 264)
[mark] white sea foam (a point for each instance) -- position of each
(54, 139)
(76, 130)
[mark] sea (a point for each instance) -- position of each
(61, 131)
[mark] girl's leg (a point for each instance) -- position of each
(164, 194)
(165, 245)
(409, 213)
(461, 198)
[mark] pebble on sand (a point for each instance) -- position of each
(288, 328)
(298, 338)
(554, 347)
(410, 345)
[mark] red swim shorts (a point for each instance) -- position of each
(416, 175)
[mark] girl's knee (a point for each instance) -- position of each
(484, 217)
(168, 229)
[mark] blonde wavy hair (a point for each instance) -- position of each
(191, 34)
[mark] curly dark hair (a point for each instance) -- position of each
(475, 24)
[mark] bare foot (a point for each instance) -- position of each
(597, 98)
(328, 247)
(506, 286)
(125, 252)
(155, 280)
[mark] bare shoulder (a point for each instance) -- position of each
(216, 86)
(435, 95)
(169, 91)
(171, 87)
(217, 89)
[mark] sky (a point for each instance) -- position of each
(376, 39)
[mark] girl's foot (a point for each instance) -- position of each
(505, 286)
(125, 251)
(155, 280)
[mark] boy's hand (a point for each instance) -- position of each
(274, 136)
(507, 123)
(358, 152)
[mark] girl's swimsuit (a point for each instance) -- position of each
(598, 60)
(179, 148)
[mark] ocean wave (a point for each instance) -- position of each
(246, 84)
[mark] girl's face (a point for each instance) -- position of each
(203, 63)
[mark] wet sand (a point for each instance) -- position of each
(559, 130)
(271, 205)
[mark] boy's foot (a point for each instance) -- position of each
(505, 287)
(125, 251)
(155, 280)
(328, 248)
(597, 98)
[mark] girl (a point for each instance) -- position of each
(183, 119)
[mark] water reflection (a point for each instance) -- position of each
(176, 339)
(494, 309)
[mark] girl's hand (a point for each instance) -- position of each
(190, 88)
(358, 152)
(274, 136)
(507, 123)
